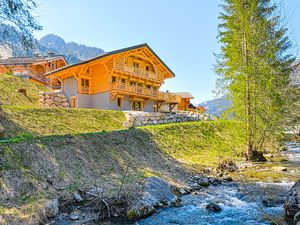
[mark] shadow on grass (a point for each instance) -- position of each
(76, 161)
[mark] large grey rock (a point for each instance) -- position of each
(157, 193)
(292, 201)
(157, 190)
(213, 207)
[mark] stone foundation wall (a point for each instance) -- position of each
(53, 99)
(136, 119)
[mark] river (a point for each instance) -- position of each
(241, 203)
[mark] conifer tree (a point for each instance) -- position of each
(254, 67)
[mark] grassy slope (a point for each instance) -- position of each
(33, 121)
(9, 95)
(171, 151)
(22, 116)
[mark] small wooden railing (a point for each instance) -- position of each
(163, 96)
(119, 65)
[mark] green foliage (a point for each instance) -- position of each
(254, 68)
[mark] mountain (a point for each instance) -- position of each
(216, 106)
(73, 51)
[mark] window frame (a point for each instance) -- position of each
(121, 102)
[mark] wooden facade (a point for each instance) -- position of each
(132, 78)
(185, 100)
(34, 68)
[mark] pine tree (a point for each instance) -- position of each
(254, 67)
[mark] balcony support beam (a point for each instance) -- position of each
(172, 106)
(159, 104)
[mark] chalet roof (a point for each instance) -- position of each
(112, 53)
(184, 94)
(28, 60)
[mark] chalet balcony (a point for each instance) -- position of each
(139, 72)
(145, 92)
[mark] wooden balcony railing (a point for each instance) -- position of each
(163, 96)
(139, 72)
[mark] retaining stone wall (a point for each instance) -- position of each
(53, 99)
(136, 119)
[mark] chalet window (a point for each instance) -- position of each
(85, 85)
(136, 67)
(50, 65)
(120, 102)
(147, 68)
(132, 83)
(123, 81)
(148, 86)
(113, 79)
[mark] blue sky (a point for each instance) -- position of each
(182, 32)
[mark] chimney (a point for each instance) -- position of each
(36, 54)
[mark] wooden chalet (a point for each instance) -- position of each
(125, 79)
(34, 68)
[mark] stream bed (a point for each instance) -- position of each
(240, 204)
(255, 203)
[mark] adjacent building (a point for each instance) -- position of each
(34, 68)
(125, 79)
(185, 100)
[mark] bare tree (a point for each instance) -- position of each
(17, 23)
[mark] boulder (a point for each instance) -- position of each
(157, 190)
(213, 207)
(292, 201)
(156, 193)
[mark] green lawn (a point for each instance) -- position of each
(21, 116)
(34, 121)
(202, 143)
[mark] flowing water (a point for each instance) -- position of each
(241, 203)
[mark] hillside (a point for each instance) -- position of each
(49, 152)
(21, 115)
(39, 169)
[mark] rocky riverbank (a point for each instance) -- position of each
(206, 199)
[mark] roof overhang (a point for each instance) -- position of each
(60, 71)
